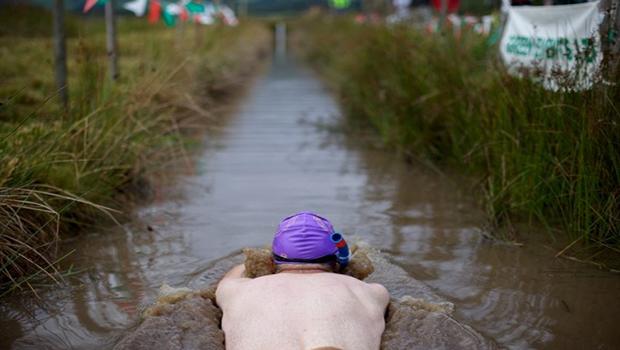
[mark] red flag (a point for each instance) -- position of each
(452, 5)
(184, 16)
(154, 11)
(89, 5)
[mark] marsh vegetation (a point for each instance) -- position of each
(536, 156)
(62, 169)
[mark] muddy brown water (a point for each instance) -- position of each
(271, 160)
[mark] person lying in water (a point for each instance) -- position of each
(305, 304)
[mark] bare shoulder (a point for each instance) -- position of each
(228, 286)
(376, 291)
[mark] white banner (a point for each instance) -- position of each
(559, 45)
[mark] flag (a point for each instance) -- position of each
(169, 19)
(184, 15)
(174, 9)
(154, 11)
(194, 8)
(451, 5)
(138, 7)
(340, 4)
(170, 13)
(228, 16)
(89, 4)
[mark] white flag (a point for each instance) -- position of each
(174, 9)
(138, 7)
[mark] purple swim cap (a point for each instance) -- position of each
(304, 236)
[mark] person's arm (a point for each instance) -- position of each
(227, 285)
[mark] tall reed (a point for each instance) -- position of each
(550, 157)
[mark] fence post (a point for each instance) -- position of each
(443, 10)
(60, 52)
(614, 32)
(609, 32)
(111, 44)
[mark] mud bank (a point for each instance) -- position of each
(187, 319)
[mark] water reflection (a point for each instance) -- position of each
(516, 295)
(434, 235)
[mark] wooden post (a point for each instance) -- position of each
(60, 52)
(442, 14)
(197, 36)
(111, 45)
(610, 37)
(614, 33)
(180, 34)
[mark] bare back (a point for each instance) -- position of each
(302, 311)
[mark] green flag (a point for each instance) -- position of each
(340, 4)
(193, 7)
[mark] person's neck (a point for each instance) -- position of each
(309, 268)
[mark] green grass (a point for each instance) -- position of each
(540, 156)
(61, 170)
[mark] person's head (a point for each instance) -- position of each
(304, 240)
